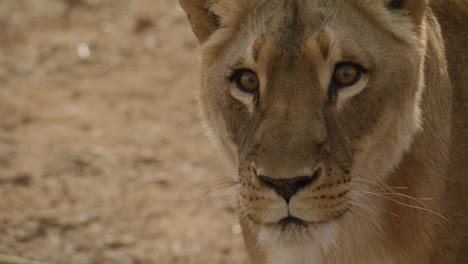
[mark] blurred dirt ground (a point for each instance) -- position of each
(102, 155)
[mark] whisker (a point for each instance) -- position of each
(238, 212)
(222, 185)
(409, 197)
(407, 205)
(386, 187)
(365, 217)
(363, 196)
(375, 207)
(211, 192)
(392, 192)
(370, 212)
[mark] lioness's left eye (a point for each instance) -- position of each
(246, 80)
(346, 74)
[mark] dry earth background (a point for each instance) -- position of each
(102, 156)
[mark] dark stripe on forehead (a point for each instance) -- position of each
(292, 32)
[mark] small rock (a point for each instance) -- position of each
(26, 119)
(161, 178)
(22, 235)
(143, 23)
(150, 42)
(147, 156)
(76, 94)
(118, 242)
(28, 231)
(236, 229)
(226, 251)
(22, 179)
(83, 51)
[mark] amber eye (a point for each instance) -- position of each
(246, 81)
(346, 74)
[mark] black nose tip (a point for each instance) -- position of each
(286, 188)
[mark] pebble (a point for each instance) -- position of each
(83, 51)
(236, 229)
(23, 179)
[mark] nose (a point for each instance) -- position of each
(286, 188)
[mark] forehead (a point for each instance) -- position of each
(287, 32)
(293, 18)
(296, 26)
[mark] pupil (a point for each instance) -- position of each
(251, 79)
(345, 73)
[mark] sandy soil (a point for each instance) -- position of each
(102, 155)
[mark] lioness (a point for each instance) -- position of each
(347, 121)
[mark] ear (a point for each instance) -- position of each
(416, 8)
(204, 23)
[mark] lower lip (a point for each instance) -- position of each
(292, 221)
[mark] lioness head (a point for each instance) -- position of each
(309, 98)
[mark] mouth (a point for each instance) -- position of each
(292, 221)
(292, 230)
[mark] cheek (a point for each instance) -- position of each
(380, 152)
(345, 94)
(247, 99)
(237, 118)
(222, 117)
(382, 122)
(361, 113)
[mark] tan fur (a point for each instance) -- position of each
(382, 146)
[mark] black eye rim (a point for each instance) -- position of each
(235, 79)
(395, 4)
(359, 70)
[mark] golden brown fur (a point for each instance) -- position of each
(380, 147)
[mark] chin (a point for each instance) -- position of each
(320, 235)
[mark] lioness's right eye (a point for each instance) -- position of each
(246, 81)
(346, 74)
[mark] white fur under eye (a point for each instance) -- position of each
(246, 98)
(346, 93)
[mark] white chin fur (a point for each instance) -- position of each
(298, 245)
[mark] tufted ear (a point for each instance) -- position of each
(204, 23)
(416, 8)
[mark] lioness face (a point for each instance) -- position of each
(309, 103)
